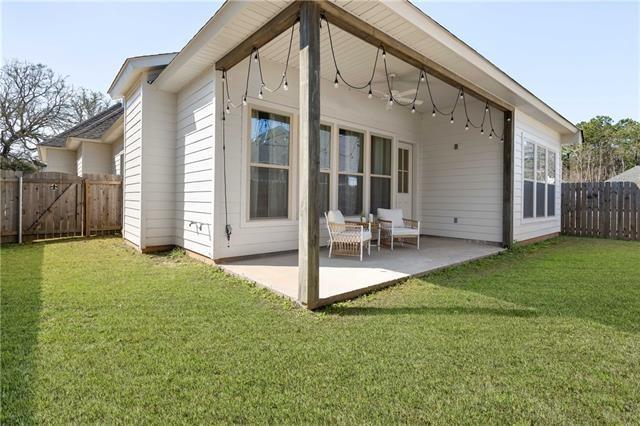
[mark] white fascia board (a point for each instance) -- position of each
(131, 70)
(223, 16)
(420, 20)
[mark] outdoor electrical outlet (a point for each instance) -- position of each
(455, 146)
(455, 220)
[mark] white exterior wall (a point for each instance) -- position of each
(61, 160)
(117, 148)
(465, 183)
(132, 229)
(525, 126)
(94, 157)
(341, 107)
(158, 165)
(194, 154)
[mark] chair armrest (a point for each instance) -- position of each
(365, 225)
(385, 224)
(410, 223)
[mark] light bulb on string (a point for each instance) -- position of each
(370, 94)
(413, 109)
(335, 82)
(390, 101)
(433, 113)
(451, 121)
(422, 76)
(384, 54)
(223, 75)
(255, 57)
(461, 94)
(491, 134)
(466, 126)
(285, 86)
(482, 130)
(486, 108)
(244, 100)
(260, 95)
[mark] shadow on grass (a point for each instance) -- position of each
(20, 295)
(430, 310)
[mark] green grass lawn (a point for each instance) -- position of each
(93, 332)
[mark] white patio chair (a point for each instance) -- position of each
(394, 226)
(346, 238)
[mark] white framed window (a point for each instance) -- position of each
(269, 164)
(539, 167)
(380, 173)
(350, 172)
(324, 187)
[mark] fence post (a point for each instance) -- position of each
(86, 231)
(20, 209)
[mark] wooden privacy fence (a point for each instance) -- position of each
(601, 209)
(55, 205)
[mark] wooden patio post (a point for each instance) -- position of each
(309, 155)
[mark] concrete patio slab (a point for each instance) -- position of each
(345, 277)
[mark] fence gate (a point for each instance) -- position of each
(601, 209)
(56, 205)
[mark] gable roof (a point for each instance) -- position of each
(237, 19)
(631, 175)
(133, 67)
(92, 128)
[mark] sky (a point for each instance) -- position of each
(580, 57)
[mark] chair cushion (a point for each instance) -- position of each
(352, 235)
(402, 231)
(393, 215)
(335, 216)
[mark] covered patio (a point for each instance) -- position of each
(386, 140)
(343, 278)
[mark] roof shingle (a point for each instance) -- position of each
(92, 128)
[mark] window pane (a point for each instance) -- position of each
(405, 182)
(269, 193)
(528, 160)
(269, 138)
(325, 146)
(351, 151)
(551, 167)
(380, 193)
(551, 200)
(528, 199)
(350, 195)
(400, 182)
(380, 156)
(541, 162)
(540, 198)
(323, 188)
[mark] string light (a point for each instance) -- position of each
(422, 78)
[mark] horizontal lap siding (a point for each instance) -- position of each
(465, 183)
(133, 167)
(194, 153)
(542, 135)
(159, 164)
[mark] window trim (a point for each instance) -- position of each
(248, 164)
(548, 151)
(362, 174)
(374, 175)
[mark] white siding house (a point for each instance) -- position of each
(452, 171)
(92, 146)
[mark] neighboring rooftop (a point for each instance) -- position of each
(631, 175)
(92, 128)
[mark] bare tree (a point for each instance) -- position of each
(86, 103)
(33, 106)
